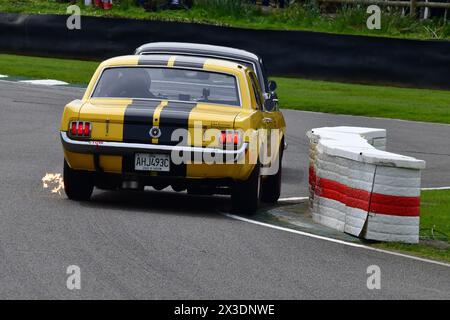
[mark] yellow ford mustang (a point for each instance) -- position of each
(192, 123)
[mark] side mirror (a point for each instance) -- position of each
(269, 105)
(272, 86)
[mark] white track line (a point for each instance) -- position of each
(292, 199)
(437, 188)
(45, 82)
(350, 244)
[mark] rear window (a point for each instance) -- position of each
(168, 83)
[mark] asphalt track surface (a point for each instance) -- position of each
(164, 245)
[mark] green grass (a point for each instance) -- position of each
(348, 20)
(434, 228)
(299, 94)
(365, 100)
(71, 71)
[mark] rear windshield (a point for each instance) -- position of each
(167, 83)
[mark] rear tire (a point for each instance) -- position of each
(246, 195)
(78, 185)
(271, 186)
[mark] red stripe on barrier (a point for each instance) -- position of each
(394, 210)
(395, 200)
(351, 197)
(331, 194)
(362, 199)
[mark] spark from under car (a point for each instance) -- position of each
(53, 181)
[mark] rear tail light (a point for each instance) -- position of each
(80, 129)
(230, 137)
(87, 129)
(73, 128)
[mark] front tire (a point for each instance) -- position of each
(246, 195)
(78, 185)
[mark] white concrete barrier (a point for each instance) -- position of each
(358, 188)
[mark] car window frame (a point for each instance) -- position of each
(259, 97)
(238, 89)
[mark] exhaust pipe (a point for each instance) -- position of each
(133, 185)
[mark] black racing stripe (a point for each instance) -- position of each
(175, 116)
(158, 60)
(138, 120)
(189, 62)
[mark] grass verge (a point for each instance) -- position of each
(71, 71)
(365, 100)
(298, 94)
(237, 13)
(434, 228)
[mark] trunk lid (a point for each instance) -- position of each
(132, 120)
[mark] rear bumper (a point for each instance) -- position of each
(123, 148)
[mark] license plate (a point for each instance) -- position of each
(152, 162)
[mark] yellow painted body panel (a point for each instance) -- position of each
(207, 116)
(70, 114)
(79, 161)
(111, 164)
(233, 171)
(107, 117)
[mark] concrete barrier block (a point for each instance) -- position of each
(358, 188)
(354, 221)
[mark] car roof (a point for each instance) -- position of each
(196, 48)
(173, 60)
